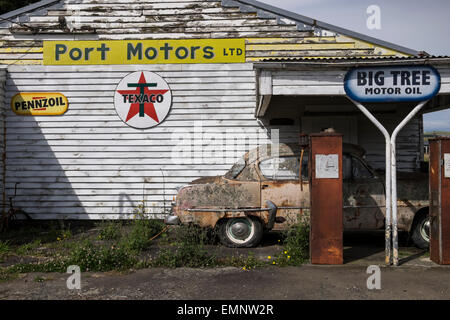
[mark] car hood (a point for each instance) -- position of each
(218, 192)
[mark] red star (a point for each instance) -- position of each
(149, 107)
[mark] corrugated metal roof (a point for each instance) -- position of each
(354, 58)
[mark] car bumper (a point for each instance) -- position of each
(171, 220)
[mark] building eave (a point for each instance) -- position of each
(29, 8)
(350, 62)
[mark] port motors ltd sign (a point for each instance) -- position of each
(118, 52)
(392, 84)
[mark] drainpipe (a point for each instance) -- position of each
(385, 133)
(394, 177)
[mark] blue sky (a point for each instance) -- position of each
(416, 24)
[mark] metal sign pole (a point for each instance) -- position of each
(394, 178)
(387, 137)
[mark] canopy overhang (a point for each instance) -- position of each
(325, 77)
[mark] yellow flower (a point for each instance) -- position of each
(285, 252)
(273, 262)
(289, 257)
(269, 257)
(59, 239)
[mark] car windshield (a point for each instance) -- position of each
(236, 169)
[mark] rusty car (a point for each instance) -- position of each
(268, 190)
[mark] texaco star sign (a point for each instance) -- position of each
(142, 99)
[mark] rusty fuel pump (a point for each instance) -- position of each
(440, 200)
(325, 172)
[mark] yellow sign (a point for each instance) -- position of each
(144, 51)
(39, 104)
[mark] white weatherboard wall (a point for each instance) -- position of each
(2, 135)
(89, 162)
(409, 150)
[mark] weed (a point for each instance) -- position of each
(110, 231)
(193, 234)
(5, 275)
(57, 265)
(4, 249)
(142, 230)
(28, 247)
(102, 258)
(245, 263)
(64, 235)
(190, 251)
(190, 256)
(39, 279)
(296, 246)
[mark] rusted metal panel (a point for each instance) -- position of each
(440, 200)
(326, 238)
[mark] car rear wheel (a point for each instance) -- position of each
(421, 232)
(243, 232)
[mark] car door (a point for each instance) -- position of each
(281, 184)
(364, 196)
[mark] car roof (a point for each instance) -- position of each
(267, 151)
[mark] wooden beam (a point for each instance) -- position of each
(263, 105)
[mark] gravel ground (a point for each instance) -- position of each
(305, 282)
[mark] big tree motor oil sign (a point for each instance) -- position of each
(390, 84)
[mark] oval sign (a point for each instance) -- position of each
(39, 104)
(397, 83)
(142, 99)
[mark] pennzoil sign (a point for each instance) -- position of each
(142, 99)
(39, 104)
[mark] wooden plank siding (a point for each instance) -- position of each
(3, 102)
(191, 19)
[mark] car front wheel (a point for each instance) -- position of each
(421, 232)
(243, 232)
